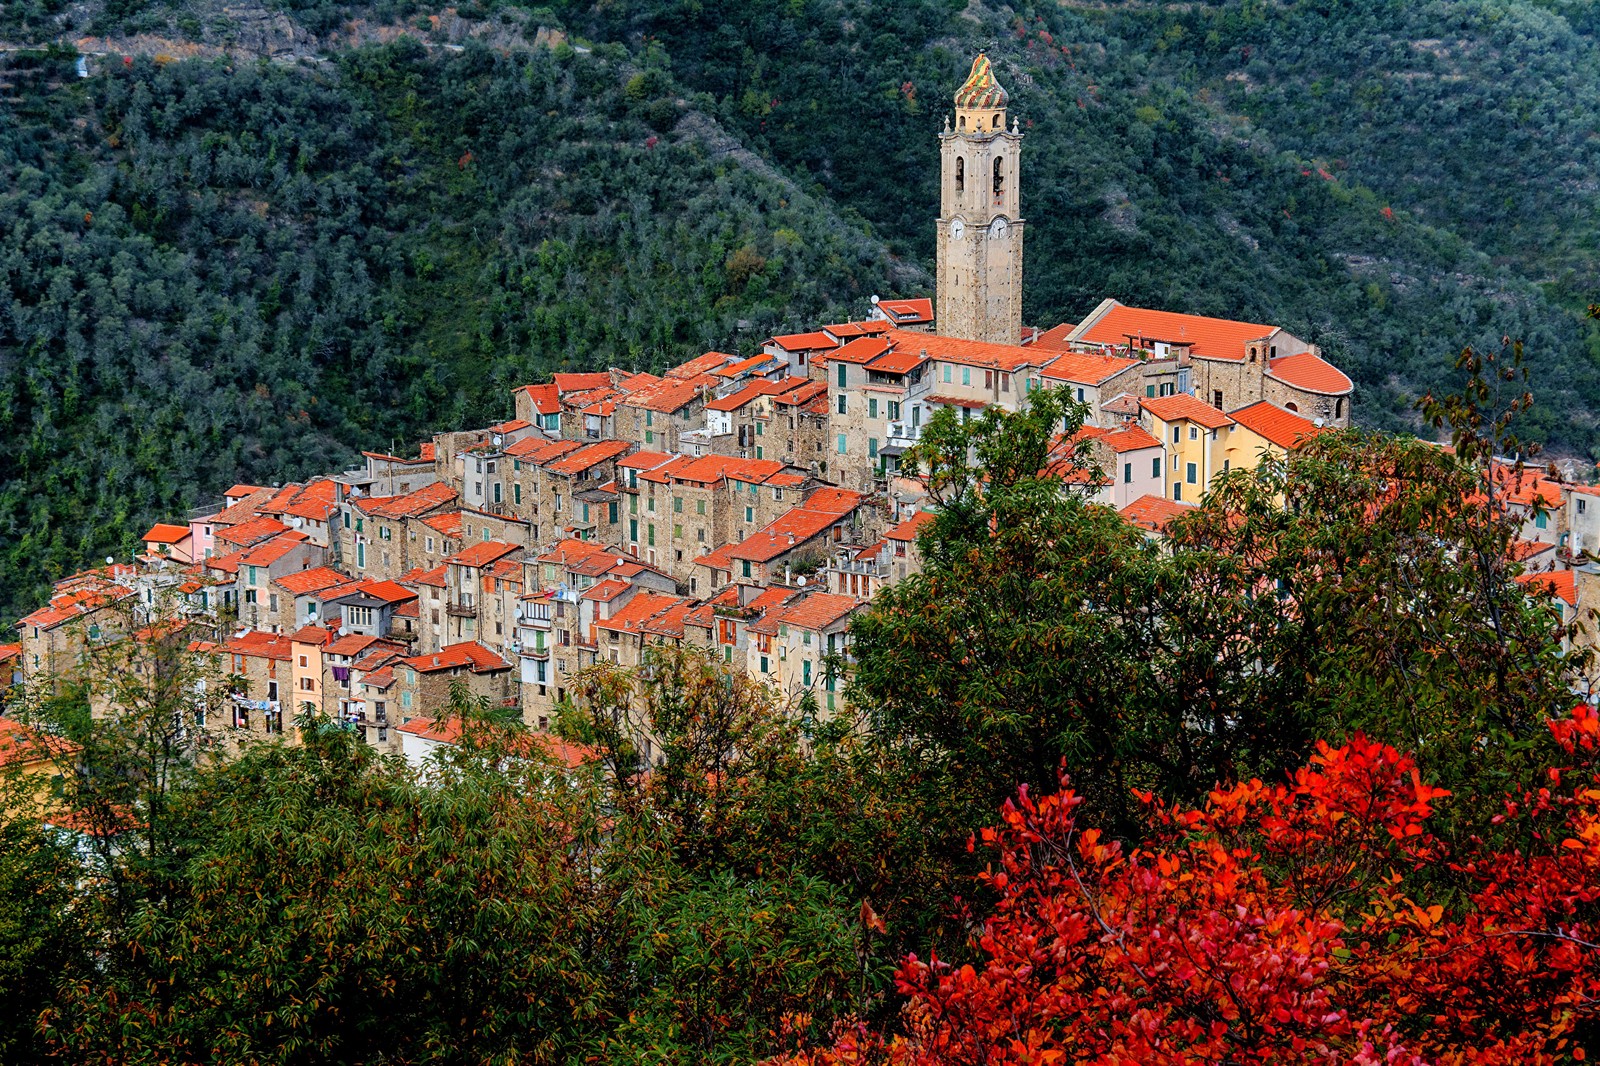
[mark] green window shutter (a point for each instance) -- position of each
(872, 447)
(612, 515)
(841, 444)
(633, 530)
(842, 378)
(966, 375)
(746, 563)
(872, 407)
(652, 533)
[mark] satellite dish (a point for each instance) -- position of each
(801, 581)
(110, 560)
(621, 561)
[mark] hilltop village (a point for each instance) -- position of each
(748, 503)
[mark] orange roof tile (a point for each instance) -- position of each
(743, 366)
(448, 524)
(702, 364)
(861, 350)
(1154, 512)
(637, 611)
(909, 528)
(581, 382)
(748, 394)
(1083, 369)
(804, 342)
(483, 553)
(1180, 405)
(643, 460)
(270, 551)
(435, 578)
(165, 534)
(540, 450)
(546, 399)
(387, 591)
(412, 504)
(471, 654)
(1130, 439)
(21, 744)
(1311, 373)
(1209, 338)
(898, 361)
(906, 312)
(253, 531)
(817, 611)
(1269, 421)
(1006, 357)
(589, 456)
(1561, 584)
(253, 642)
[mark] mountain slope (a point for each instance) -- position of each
(221, 272)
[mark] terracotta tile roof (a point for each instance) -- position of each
(1083, 369)
(20, 744)
(165, 534)
(1528, 487)
(9, 652)
(1209, 338)
(546, 399)
(1311, 373)
(589, 456)
(804, 342)
(1054, 338)
(1006, 357)
(710, 469)
(310, 635)
(748, 394)
(702, 364)
(254, 642)
(833, 501)
(637, 611)
(427, 452)
(240, 491)
(643, 460)
(435, 578)
(352, 645)
(581, 382)
(908, 312)
(387, 591)
(1561, 584)
(661, 474)
(1181, 405)
(92, 593)
(862, 350)
(1523, 550)
(511, 426)
(412, 504)
(1124, 403)
(1130, 439)
(606, 591)
(804, 394)
(1284, 428)
(670, 622)
(448, 524)
(1154, 512)
(227, 563)
(471, 654)
(540, 450)
(253, 531)
(315, 510)
(789, 531)
(483, 553)
(899, 361)
(719, 558)
(671, 394)
(818, 611)
(241, 511)
(270, 551)
(379, 679)
(908, 529)
(743, 366)
(844, 331)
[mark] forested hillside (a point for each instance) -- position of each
(220, 269)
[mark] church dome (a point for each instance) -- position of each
(980, 92)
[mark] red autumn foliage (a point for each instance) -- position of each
(1312, 921)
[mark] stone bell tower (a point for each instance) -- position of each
(980, 223)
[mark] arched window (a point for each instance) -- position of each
(961, 173)
(961, 122)
(1338, 408)
(996, 123)
(1252, 355)
(999, 176)
(1292, 407)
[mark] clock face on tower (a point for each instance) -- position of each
(957, 228)
(997, 228)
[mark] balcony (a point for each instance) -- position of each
(533, 651)
(903, 434)
(461, 607)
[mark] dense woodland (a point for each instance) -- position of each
(1096, 800)
(221, 270)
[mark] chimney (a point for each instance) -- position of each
(436, 660)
